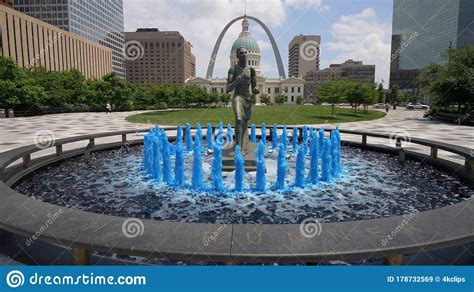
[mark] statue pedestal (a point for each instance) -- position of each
(228, 159)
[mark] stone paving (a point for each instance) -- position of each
(21, 131)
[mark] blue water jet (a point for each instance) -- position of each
(281, 168)
(321, 138)
(299, 178)
(209, 137)
(313, 175)
(326, 160)
(216, 170)
(275, 136)
(305, 138)
(253, 134)
(197, 182)
(261, 168)
(179, 165)
(188, 138)
(179, 133)
(284, 137)
(264, 134)
(295, 139)
(239, 170)
(165, 148)
(230, 135)
(156, 173)
(220, 136)
(334, 154)
(198, 135)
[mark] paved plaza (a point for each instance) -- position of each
(21, 131)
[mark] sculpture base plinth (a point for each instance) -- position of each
(228, 158)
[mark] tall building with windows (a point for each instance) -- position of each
(98, 21)
(303, 55)
(422, 31)
(154, 56)
(31, 42)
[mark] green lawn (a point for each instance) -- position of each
(280, 114)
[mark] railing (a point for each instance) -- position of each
(236, 243)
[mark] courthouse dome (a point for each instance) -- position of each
(245, 40)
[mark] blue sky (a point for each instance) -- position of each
(358, 29)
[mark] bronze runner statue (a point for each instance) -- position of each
(240, 79)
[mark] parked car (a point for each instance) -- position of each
(417, 106)
(379, 105)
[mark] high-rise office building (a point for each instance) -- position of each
(422, 31)
(154, 56)
(98, 21)
(31, 42)
(303, 55)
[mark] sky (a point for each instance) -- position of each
(349, 29)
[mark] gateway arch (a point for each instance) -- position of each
(210, 67)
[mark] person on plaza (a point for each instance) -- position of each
(108, 108)
(387, 107)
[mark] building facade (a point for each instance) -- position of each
(303, 55)
(291, 87)
(154, 56)
(31, 42)
(422, 31)
(98, 21)
(350, 69)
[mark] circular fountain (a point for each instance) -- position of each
(174, 183)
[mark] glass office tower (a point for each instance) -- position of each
(99, 21)
(422, 31)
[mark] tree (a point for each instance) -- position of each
(299, 99)
(225, 98)
(280, 99)
(17, 89)
(370, 95)
(392, 97)
(451, 83)
(332, 92)
(380, 93)
(265, 98)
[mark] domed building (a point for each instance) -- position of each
(290, 88)
(246, 40)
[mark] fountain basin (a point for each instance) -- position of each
(236, 243)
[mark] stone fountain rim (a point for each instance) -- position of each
(436, 228)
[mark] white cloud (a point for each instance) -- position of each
(307, 4)
(201, 22)
(361, 37)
